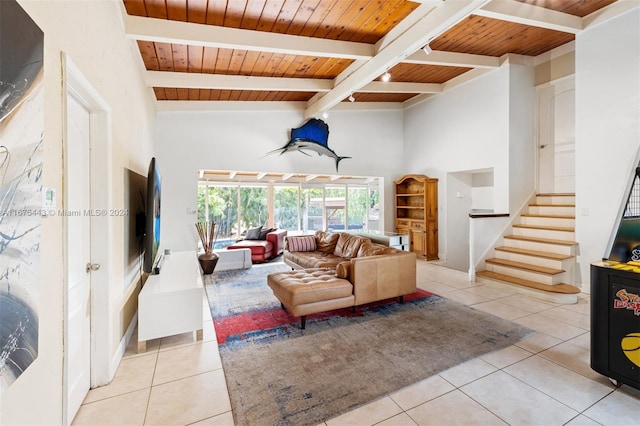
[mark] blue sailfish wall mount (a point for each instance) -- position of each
(311, 136)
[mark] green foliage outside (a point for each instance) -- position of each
(223, 208)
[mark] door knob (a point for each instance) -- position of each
(93, 267)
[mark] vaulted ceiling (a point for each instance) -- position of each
(316, 54)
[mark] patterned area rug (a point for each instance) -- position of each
(278, 374)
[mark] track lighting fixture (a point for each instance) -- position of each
(351, 98)
(325, 114)
(386, 76)
(427, 49)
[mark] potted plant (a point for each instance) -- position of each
(208, 259)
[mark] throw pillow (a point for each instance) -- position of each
(348, 245)
(369, 248)
(343, 269)
(253, 233)
(326, 241)
(302, 243)
(264, 232)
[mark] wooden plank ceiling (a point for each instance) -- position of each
(320, 52)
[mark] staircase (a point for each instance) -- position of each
(538, 258)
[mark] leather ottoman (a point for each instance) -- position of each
(308, 291)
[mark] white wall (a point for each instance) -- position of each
(91, 34)
(607, 129)
(188, 141)
(484, 124)
(522, 125)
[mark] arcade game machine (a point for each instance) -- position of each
(615, 299)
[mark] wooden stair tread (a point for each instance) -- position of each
(535, 253)
(551, 205)
(556, 288)
(546, 228)
(541, 240)
(525, 266)
(550, 216)
(558, 194)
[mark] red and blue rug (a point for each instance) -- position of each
(243, 306)
(277, 373)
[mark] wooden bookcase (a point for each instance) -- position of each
(417, 213)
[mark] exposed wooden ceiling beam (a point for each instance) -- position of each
(400, 87)
(183, 80)
(222, 176)
(608, 12)
(402, 44)
(178, 32)
(452, 59)
(433, 24)
(456, 81)
(296, 106)
(409, 21)
(527, 14)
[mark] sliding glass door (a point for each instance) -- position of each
(286, 213)
(219, 204)
(252, 207)
(298, 208)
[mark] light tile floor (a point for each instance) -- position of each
(543, 380)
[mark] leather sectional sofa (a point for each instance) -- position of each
(341, 270)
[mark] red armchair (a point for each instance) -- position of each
(263, 250)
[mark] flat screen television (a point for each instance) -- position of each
(152, 220)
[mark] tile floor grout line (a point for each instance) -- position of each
(106, 398)
(187, 377)
(390, 417)
(513, 363)
(545, 393)
(496, 414)
(486, 408)
(155, 366)
(552, 346)
(562, 365)
(423, 402)
(206, 418)
(603, 397)
(564, 322)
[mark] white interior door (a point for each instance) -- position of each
(556, 137)
(78, 204)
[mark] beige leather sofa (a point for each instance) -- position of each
(375, 272)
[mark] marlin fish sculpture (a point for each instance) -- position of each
(311, 136)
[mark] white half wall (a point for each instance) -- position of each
(607, 130)
(188, 141)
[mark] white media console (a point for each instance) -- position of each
(172, 301)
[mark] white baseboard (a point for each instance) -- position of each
(122, 347)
